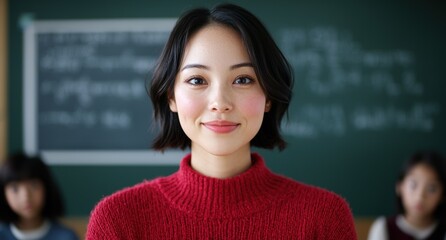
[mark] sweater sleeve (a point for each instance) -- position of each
(338, 220)
(109, 221)
(101, 222)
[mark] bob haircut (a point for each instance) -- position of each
(19, 167)
(438, 165)
(271, 67)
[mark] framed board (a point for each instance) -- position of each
(85, 99)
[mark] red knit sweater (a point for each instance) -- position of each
(254, 205)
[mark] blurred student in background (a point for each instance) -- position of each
(30, 202)
(420, 192)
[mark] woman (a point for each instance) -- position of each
(221, 86)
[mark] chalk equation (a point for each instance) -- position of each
(329, 61)
(354, 89)
(93, 80)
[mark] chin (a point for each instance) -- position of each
(220, 152)
(219, 149)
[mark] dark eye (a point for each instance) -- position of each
(14, 186)
(413, 184)
(432, 188)
(196, 81)
(243, 80)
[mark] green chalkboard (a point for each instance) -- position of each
(369, 91)
(87, 81)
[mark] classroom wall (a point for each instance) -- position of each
(397, 46)
(3, 76)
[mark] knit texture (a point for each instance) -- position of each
(254, 205)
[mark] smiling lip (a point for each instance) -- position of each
(221, 126)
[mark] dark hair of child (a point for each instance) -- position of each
(20, 167)
(437, 163)
(273, 70)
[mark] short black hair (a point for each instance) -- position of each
(19, 167)
(270, 65)
(435, 161)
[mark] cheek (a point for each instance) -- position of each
(253, 105)
(405, 198)
(40, 201)
(436, 198)
(11, 198)
(188, 106)
(406, 193)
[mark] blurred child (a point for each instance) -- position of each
(420, 192)
(31, 201)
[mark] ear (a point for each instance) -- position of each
(173, 105)
(267, 106)
(398, 189)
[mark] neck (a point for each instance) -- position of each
(29, 224)
(419, 222)
(206, 197)
(220, 166)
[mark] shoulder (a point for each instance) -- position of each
(3, 227)
(325, 214)
(129, 192)
(128, 198)
(378, 230)
(4, 231)
(315, 197)
(59, 231)
(379, 222)
(113, 214)
(127, 203)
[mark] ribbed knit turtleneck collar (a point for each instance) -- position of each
(203, 196)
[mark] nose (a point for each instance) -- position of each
(419, 195)
(27, 194)
(24, 194)
(220, 99)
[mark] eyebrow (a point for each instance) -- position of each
(239, 65)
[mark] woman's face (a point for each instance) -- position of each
(420, 191)
(26, 198)
(217, 95)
